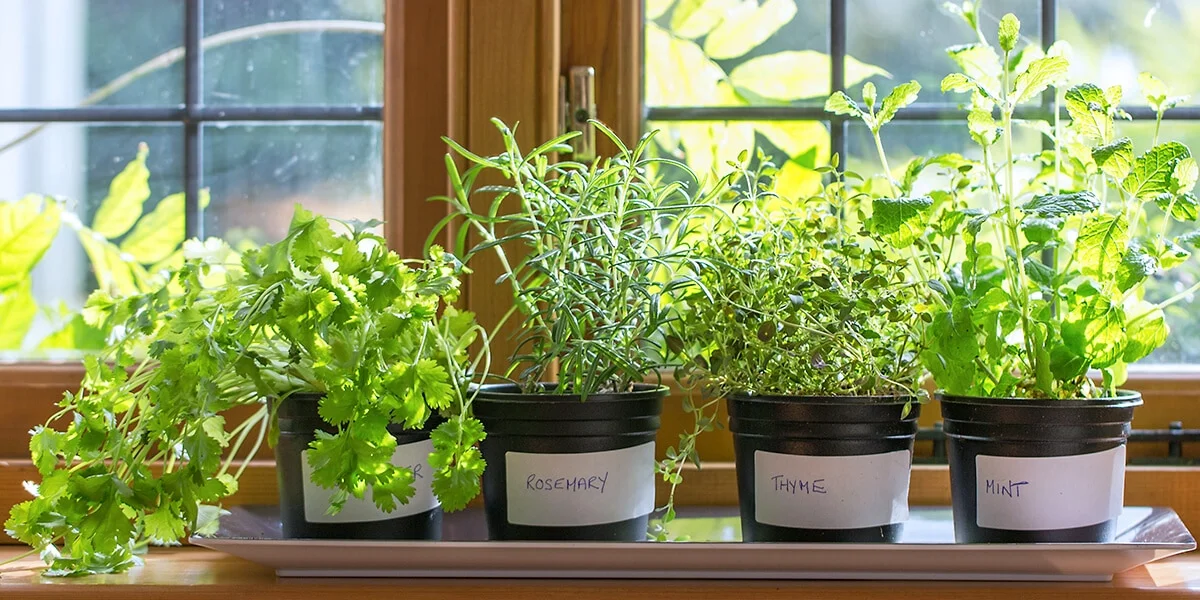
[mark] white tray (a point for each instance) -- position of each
(926, 551)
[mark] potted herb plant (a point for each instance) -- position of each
(589, 261)
(348, 345)
(803, 319)
(1038, 267)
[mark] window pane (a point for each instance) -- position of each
(908, 38)
(1114, 40)
(905, 140)
(59, 53)
(76, 162)
(732, 53)
(257, 172)
(290, 52)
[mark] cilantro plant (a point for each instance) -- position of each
(589, 250)
(1037, 264)
(146, 454)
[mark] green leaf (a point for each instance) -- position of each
(1152, 171)
(1149, 334)
(1192, 238)
(1051, 206)
(657, 8)
(1116, 159)
(901, 96)
(17, 312)
(899, 219)
(1183, 207)
(74, 334)
(163, 526)
(27, 228)
(161, 232)
(456, 462)
(744, 31)
(694, 18)
(1170, 254)
(980, 65)
(1154, 91)
(870, 95)
(1183, 178)
(681, 74)
(795, 75)
(1041, 230)
(957, 82)
(1042, 73)
(1096, 332)
(1100, 245)
(127, 193)
(841, 104)
(1090, 111)
(1010, 32)
(45, 444)
(1136, 266)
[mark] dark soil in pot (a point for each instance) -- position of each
(822, 469)
(563, 469)
(1025, 471)
(303, 505)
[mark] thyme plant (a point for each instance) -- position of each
(1037, 264)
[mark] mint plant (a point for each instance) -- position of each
(1037, 265)
(146, 454)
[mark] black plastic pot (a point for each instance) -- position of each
(816, 426)
(298, 422)
(526, 427)
(977, 428)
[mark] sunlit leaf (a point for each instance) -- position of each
(160, 233)
(127, 193)
(680, 73)
(744, 31)
(796, 74)
(798, 138)
(656, 8)
(27, 228)
(694, 18)
(17, 311)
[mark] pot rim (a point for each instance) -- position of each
(1123, 399)
(510, 392)
(879, 400)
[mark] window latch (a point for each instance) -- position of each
(578, 105)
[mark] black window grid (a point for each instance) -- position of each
(920, 112)
(193, 114)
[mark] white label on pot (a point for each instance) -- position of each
(414, 456)
(590, 488)
(831, 492)
(1049, 492)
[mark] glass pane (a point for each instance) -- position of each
(76, 162)
(797, 147)
(909, 38)
(61, 53)
(257, 172)
(289, 52)
(1114, 40)
(905, 140)
(733, 53)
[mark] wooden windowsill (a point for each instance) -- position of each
(198, 573)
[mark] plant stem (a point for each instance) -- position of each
(1021, 293)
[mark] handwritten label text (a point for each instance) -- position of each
(798, 486)
(1009, 488)
(569, 484)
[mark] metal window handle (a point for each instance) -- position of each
(580, 105)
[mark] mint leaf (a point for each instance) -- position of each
(1051, 206)
(1100, 245)
(899, 219)
(1183, 207)
(1115, 159)
(900, 97)
(841, 104)
(1191, 238)
(1150, 334)
(1042, 73)
(1136, 266)
(1041, 230)
(1096, 332)
(1090, 111)
(1183, 178)
(1010, 32)
(1152, 171)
